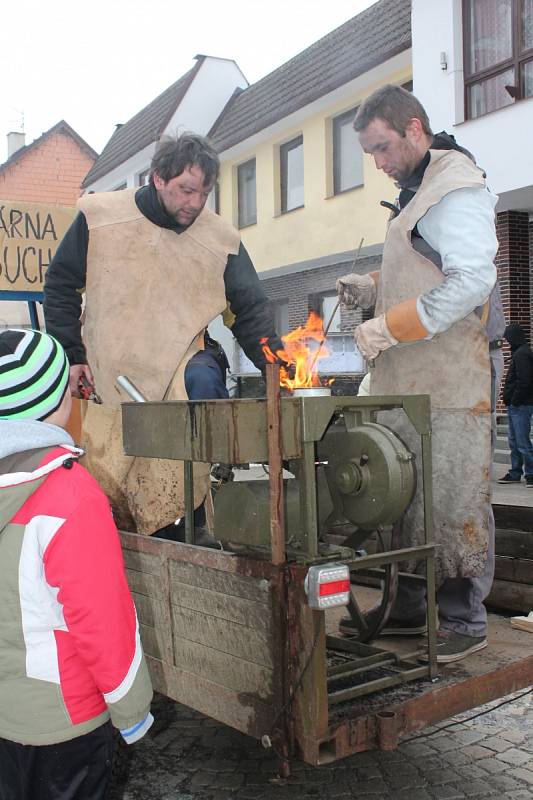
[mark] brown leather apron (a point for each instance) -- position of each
(454, 369)
(149, 295)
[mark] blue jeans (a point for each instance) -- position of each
(520, 441)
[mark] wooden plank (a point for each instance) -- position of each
(149, 610)
(219, 634)
(519, 570)
(256, 589)
(142, 562)
(514, 543)
(149, 585)
(243, 712)
(152, 641)
(225, 669)
(216, 604)
(511, 596)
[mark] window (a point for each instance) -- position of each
(246, 194)
(329, 301)
(143, 178)
(347, 154)
(213, 201)
(291, 160)
(498, 54)
(281, 317)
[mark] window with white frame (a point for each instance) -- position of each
(281, 317)
(246, 194)
(143, 178)
(328, 303)
(347, 153)
(498, 54)
(291, 161)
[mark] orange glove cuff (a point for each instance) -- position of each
(404, 323)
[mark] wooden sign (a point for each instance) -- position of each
(29, 236)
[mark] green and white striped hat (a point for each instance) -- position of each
(34, 372)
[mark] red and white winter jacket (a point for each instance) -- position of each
(70, 652)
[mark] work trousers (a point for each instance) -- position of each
(460, 600)
(79, 769)
(519, 435)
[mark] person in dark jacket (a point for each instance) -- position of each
(518, 397)
(156, 266)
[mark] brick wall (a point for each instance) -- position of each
(514, 261)
(51, 172)
(301, 289)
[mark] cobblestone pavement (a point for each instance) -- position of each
(187, 756)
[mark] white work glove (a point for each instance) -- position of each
(373, 337)
(356, 291)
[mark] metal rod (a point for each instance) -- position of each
(337, 304)
(130, 389)
(275, 465)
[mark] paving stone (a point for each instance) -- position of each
(515, 757)
(477, 751)
(378, 787)
(456, 758)
(417, 750)
(438, 777)
(493, 766)
(469, 736)
(521, 774)
(504, 783)
(476, 787)
(517, 737)
(445, 744)
(469, 771)
(496, 743)
(412, 794)
(446, 793)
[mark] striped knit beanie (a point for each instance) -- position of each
(34, 372)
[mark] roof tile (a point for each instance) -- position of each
(142, 129)
(369, 39)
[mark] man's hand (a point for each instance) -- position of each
(373, 337)
(357, 291)
(76, 372)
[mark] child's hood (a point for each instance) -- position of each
(23, 446)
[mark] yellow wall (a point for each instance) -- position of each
(325, 225)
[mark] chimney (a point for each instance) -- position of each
(15, 140)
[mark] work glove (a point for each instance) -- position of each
(357, 291)
(373, 337)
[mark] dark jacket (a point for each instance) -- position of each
(65, 282)
(518, 387)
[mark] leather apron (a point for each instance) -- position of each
(454, 369)
(150, 293)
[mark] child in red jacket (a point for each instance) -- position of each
(71, 660)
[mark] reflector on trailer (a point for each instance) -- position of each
(328, 585)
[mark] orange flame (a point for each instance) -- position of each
(297, 351)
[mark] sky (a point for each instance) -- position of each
(97, 63)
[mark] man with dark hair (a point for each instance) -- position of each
(157, 267)
(518, 397)
(437, 330)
